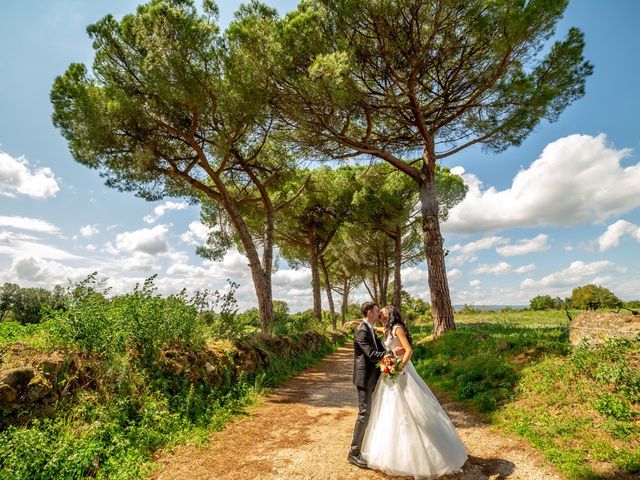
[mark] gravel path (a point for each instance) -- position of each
(302, 430)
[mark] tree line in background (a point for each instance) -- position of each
(173, 106)
(586, 297)
(85, 305)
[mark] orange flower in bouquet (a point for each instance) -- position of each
(389, 366)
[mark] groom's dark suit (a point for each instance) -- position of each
(367, 351)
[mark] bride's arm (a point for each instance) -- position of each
(408, 351)
(351, 324)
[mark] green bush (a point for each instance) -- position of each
(613, 406)
(26, 305)
(582, 296)
(607, 363)
(546, 302)
(141, 321)
(633, 305)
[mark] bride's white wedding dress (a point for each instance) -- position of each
(409, 434)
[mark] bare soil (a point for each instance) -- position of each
(302, 430)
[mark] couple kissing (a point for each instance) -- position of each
(401, 429)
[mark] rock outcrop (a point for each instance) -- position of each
(595, 327)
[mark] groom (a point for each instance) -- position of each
(367, 352)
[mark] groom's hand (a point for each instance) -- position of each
(398, 352)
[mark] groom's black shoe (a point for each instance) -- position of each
(358, 461)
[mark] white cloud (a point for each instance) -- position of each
(615, 231)
(525, 268)
(20, 245)
(16, 178)
(454, 274)
(147, 240)
(110, 249)
(26, 223)
(290, 277)
(139, 262)
(32, 270)
(525, 246)
(576, 274)
(160, 210)
(196, 235)
(91, 247)
(467, 253)
(500, 268)
(475, 283)
(176, 256)
(577, 179)
(89, 230)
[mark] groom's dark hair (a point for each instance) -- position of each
(366, 306)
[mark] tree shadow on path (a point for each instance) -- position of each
(329, 385)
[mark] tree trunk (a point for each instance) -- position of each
(433, 245)
(261, 277)
(371, 293)
(376, 289)
(345, 299)
(383, 278)
(332, 310)
(315, 281)
(397, 265)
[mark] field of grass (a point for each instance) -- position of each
(580, 407)
(525, 318)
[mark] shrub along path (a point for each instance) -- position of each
(302, 430)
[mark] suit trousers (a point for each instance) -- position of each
(364, 410)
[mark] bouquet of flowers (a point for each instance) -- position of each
(390, 366)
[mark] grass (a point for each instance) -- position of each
(579, 407)
(525, 318)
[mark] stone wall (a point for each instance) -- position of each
(32, 378)
(595, 327)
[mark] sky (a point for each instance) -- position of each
(557, 212)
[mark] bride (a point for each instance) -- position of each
(409, 434)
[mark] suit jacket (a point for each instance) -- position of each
(367, 352)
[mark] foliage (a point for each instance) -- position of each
(291, 324)
(26, 305)
(173, 107)
(310, 222)
(546, 302)
(594, 396)
(384, 227)
(116, 438)
(582, 296)
(142, 321)
(379, 79)
(580, 407)
(134, 407)
(479, 363)
(633, 305)
(227, 323)
(414, 308)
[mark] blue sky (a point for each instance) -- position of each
(557, 212)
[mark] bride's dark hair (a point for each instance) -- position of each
(394, 318)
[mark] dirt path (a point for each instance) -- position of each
(303, 431)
